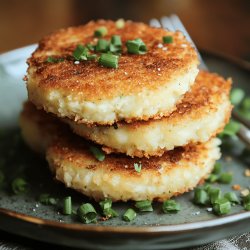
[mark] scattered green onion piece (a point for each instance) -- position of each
(225, 178)
(167, 39)
(19, 185)
(91, 57)
(106, 204)
(80, 53)
(206, 187)
(51, 59)
(120, 23)
(222, 206)
(138, 167)
(232, 197)
(67, 205)
(214, 194)
(144, 206)
(116, 44)
(86, 213)
(102, 45)
(129, 215)
(247, 206)
(212, 178)
(171, 206)
(109, 60)
(110, 213)
(136, 46)
(246, 104)
(231, 128)
(246, 199)
(98, 153)
(236, 96)
(90, 46)
(201, 196)
(217, 168)
(46, 199)
(100, 32)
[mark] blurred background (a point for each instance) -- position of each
(215, 25)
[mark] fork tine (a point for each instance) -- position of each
(154, 23)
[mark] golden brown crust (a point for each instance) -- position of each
(91, 82)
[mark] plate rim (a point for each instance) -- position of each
(151, 229)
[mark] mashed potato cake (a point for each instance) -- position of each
(143, 86)
(160, 178)
(203, 113)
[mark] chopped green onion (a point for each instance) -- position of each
(116, 44)
(86, 213)
(206, 187)
(129, 215)
(232, 197)
(51, 59)
(109, 60)
(225, 178)
(90, 46)
(110, 213)
(46, 199)
(212, 178)
(236, 96)
(80, 53)
(138, 167)
(120, 23)
(231, 128)
(246, 104)
(214, 194)
(102, 45)
(67, 205)
(136, 46)
(19, 186)
(201, 196)
(100, 32)
(91, 57)
(106, 204)
(222, 206)
(98, 153)
(167, 39)
(171, 206)
(246, 199)
(217, 168)
(144, 206)
(247, 206)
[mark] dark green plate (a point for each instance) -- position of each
(24, 215)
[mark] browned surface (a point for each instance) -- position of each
(89, 81)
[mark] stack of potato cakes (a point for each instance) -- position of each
(122, 111)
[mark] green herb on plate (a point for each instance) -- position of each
(97, 152)
(136, 46)
(109, 60)
(129, 215)
(101, 32)
(19, 185)
(67, 205)
(171, 206)
(86, 213)
(144, 206)
(167, 39)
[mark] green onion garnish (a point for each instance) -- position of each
(116, 44)
(246, 104)
(90, 46)
(98, 153)
(214, 194)
(247, 206)
(106, 204)
(138, 167)
(246, 199)
(110, 213)
(102, 45)
(46, 199)
(217, 168)
(86, 213)
(236, 96)
(19, 186)
(67, 205)
(91, 57)
(206, 187)
(144, 206)
(231, 128)
(109, 60)
(167, 39)
(232, 197)
(80, 53)
(52, 59)
(212, 178)
(225, 178)
(100, 32)
(136, 46)
(201, 196)
(171, 206)
(129, 215)
(222, 206)
(120, 23)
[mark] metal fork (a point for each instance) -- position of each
(174, 23)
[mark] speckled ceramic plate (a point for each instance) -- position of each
(23, 215)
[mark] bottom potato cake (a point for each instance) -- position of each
(175, 172)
